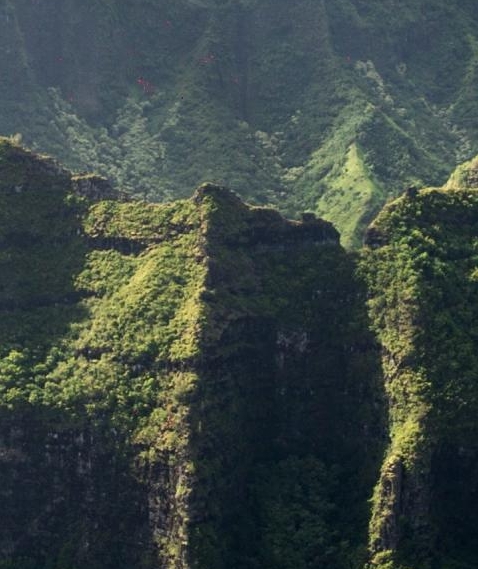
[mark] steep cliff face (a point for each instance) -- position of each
(196, 384)
(289, 380)
(182, 385)
(325, 106)
(421, 265)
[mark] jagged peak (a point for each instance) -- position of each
(465, 176)
(19, 165)
(218, 194)
(231, 219)
(12, 154)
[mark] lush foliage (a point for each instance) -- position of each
(208, 360)
(330, 107)
(421, 268)
(100, 317)
(196, 384)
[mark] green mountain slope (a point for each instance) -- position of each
(197, 384)
(274, 98)
(181, 385)
(421, 264)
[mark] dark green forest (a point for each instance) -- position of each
(279, 369)
(309, 105)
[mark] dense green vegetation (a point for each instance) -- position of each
(99, 320)
(421, 267)
(197, 384)
(181, 385)
(290, 381)
(330, 107)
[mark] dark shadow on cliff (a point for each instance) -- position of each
(65, 471)
(288, 419)
(68, 496)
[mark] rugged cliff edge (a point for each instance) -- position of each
(181, 385)
(422, 270)
(198, 384)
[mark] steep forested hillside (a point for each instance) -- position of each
(198, 384)
(421, 265)
(181, 385)
(311, 105)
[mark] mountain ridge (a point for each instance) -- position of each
(265, 97)
(206, 384)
